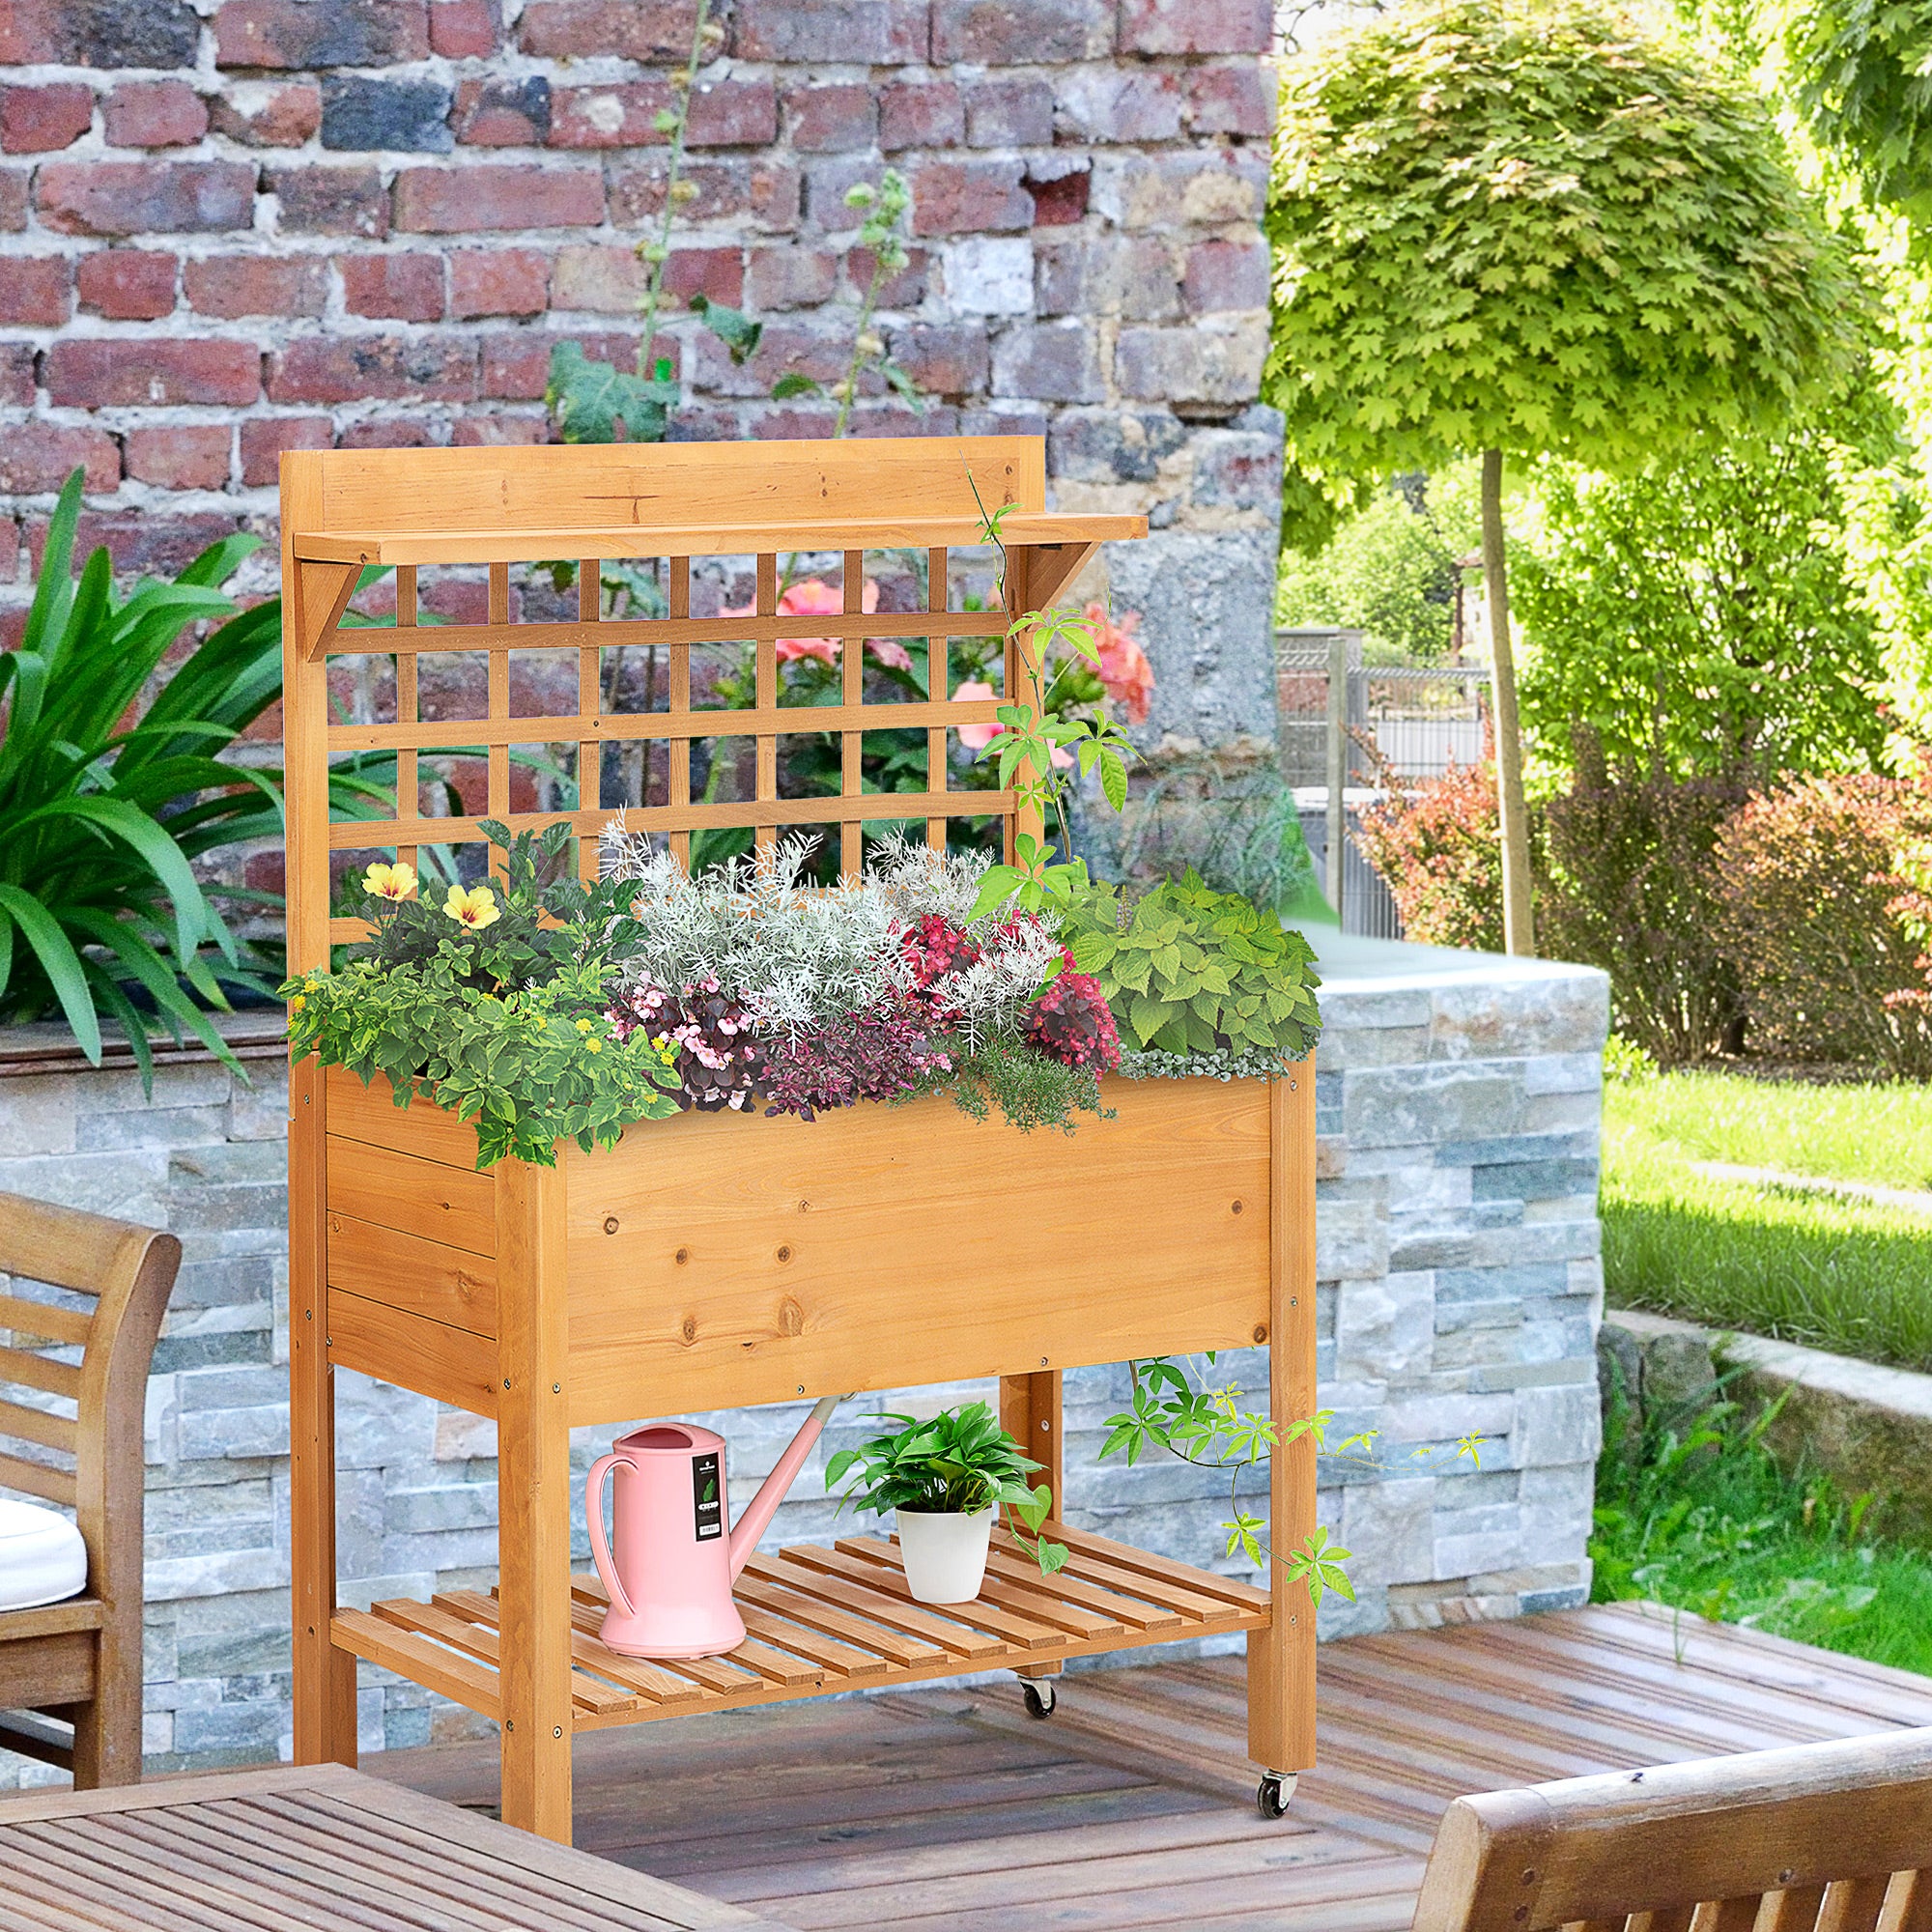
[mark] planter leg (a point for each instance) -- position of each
(325, 1677)
(1281, 1659)
(533, 1508)
(1030, 1412)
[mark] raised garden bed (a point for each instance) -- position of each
(712, 1260)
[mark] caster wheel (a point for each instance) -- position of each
(1039, 1696)
(1272, 1794)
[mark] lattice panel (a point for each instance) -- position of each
(593, 726)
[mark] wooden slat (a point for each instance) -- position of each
(841, 1660)
(67, 1325)
(445, 1284)
(807, 1606)
(457, 733)
(373, 835)
(1209, 1583)
(535, 546)
(1004, 1560)
(1909, 1909)
(765, 831)
(851, 742)
(409, 788)
(642, 1678)
(36, 1425)
(677, 794)
(938, 687)
(32, 1371)
(1793, 1911)
(450, 1205)
(431, 1357)
(498, 787)
(71, 1614)
(417, 1658)
(444, 1619)
(589, 704)
(41, 1241)
(795, 1570)
(680, 631)
(1032, 1600)
(422, 1129)
(875, 1565)
(1853, 1905)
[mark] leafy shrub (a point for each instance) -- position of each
(1818, 912)
(1071, 1022)
(1635, 887)
(488, 1010)
(1703, 618)
(1190, 970)
(1437, 848)
(1030, 1089)
(100, 907)
(865, 1055)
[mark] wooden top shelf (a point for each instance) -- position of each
(530, 545)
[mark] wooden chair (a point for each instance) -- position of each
(1825, 1837)
(79, 1662)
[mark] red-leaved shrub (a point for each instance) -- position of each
(1437, 848)
(1826, 911)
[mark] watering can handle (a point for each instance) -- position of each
(600, 1544)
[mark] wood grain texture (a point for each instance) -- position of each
(533, 1499)
(310, 1849)
(450, 1205)
(395, 1345)
(789, 1247)
(81, 1663)
(443, 1284)
(1281, 1660)
(422, 1129)
(945, 1810)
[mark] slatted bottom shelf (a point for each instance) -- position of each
(822, 1620)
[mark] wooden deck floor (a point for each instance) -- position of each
(948, 1811)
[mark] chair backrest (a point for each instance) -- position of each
(1837, 1836)
(70, 1425)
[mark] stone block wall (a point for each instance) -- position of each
(237, 227)
(1460, 1290)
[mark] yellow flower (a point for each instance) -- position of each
(475, 908)
(390, 882)
(583, 1026)
(593, 1046)
(298, 1004)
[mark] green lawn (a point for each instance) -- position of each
(1706, 1522)
(1838, 1273)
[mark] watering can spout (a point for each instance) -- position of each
(760, 1511)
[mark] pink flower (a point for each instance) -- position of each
(816, 597)
(1124, 668)
(977, 737)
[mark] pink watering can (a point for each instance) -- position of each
(677, 1553)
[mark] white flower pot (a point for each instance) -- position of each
(945, 1554)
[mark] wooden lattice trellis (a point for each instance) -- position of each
(346, 510)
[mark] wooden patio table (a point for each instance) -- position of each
(311, 1848)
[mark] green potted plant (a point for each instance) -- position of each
(947, 1478)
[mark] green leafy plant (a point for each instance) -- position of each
(1030, 738)
(1028, 1088)
(952, 1463)
(882, 233)
(507, 1027)
(1189, 970)
(1205, 1425)
(1532, 230)
(101, 910)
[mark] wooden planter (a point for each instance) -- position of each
(712, 1261)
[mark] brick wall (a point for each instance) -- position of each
(250, 226)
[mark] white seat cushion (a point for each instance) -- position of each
(42, 1556)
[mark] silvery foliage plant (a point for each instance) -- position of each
(799, 957)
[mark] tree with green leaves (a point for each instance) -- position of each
(1532, 230)
(1704, 619)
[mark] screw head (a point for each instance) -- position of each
(506, 1381)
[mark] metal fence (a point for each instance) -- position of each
(1349, 732)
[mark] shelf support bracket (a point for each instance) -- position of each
(327, 588)
(1054, 567)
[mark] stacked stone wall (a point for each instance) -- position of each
(1460, 1289)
